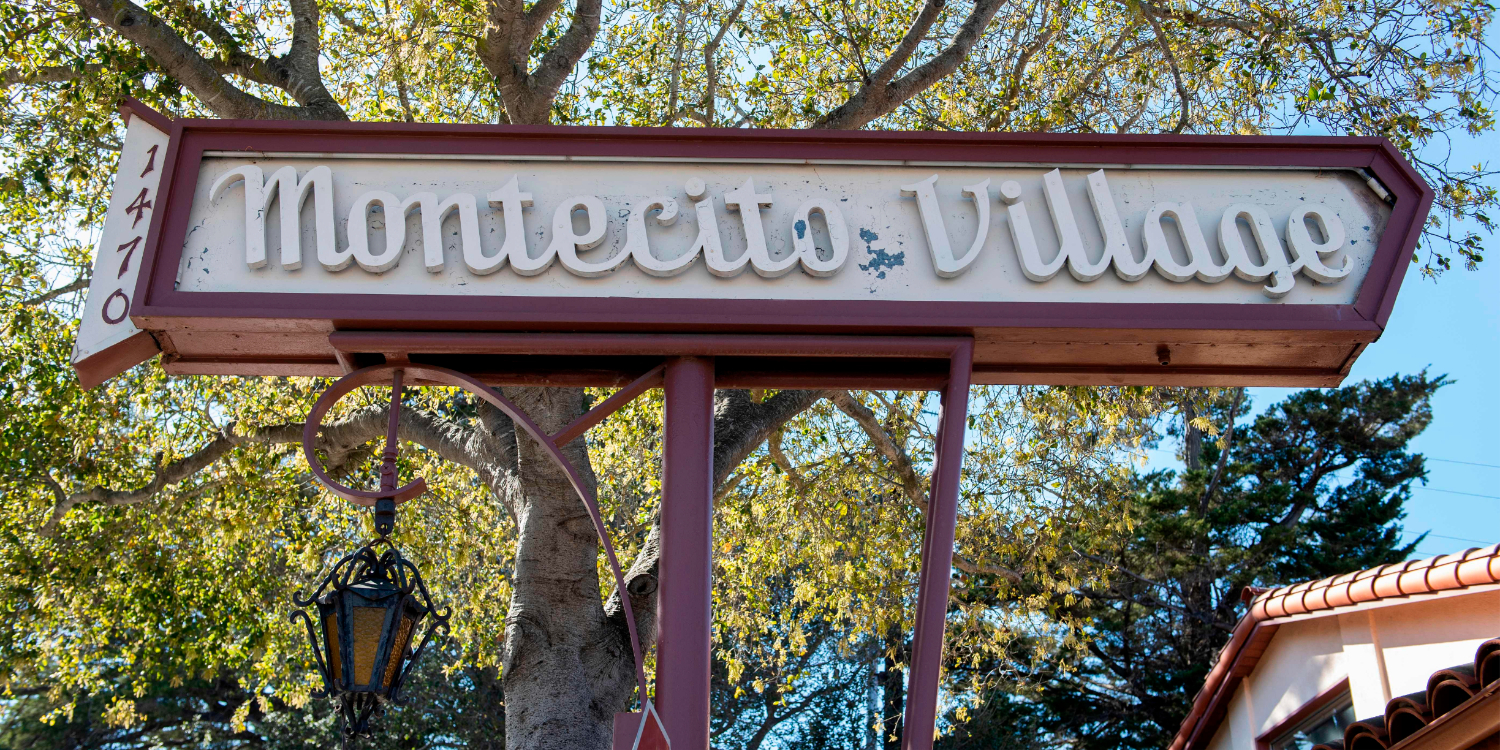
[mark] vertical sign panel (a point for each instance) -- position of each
(108, 342)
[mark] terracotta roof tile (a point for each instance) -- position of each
(1474, 567)
(1447, 688)
(1367, 734)
(1487, 661)
(1406, 716)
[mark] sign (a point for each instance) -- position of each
(1076, 259)
(588, 256)
(108, 341)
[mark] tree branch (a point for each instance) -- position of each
(558, 63)
(505, 51)
(1013, 91)
(911, 484)
(47, 74)
(76, 286)
(298, 76)
(1213, 482)
(675, 83)
(880, 95)
(1166, 48)
(711, 68)
(1183, 15)
(171, 473)
(304, 79)
(926, 17)
(741, 425)
(974, 568)
(778, 456)
(450, 440)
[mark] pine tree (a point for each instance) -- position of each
(1312, 488)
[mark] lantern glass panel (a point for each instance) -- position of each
(369, 625)
(398, 649)
(332, 647)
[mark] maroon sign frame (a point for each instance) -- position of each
(1015, 342)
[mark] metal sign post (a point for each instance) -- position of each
(937, 554)
(684, 648)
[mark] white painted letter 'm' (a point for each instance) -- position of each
(293, 192)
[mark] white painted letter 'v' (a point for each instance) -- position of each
(936, 229)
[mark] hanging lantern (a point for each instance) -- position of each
(373, 605)
(370, 607)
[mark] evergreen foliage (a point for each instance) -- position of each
(1312, 488)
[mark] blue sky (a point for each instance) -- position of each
(1451, 325)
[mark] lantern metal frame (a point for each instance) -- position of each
(370, 580)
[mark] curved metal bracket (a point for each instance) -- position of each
(340, 389)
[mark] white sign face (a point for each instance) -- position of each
(775, 231)
(121, 251)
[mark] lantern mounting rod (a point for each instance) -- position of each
(388, 490)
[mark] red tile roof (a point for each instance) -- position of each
(1470, 568)
(1449, 692)
(1474, 567)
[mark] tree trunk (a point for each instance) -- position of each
(567, 664)
(893, 710)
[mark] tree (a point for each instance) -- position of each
(78, 465)
(1312, 488)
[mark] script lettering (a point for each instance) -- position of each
(936, 229)
(638, 243)
(1171, 240)
(1271, 260)
(293, 192)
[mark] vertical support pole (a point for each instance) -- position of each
(937, 556)
(684, 644)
